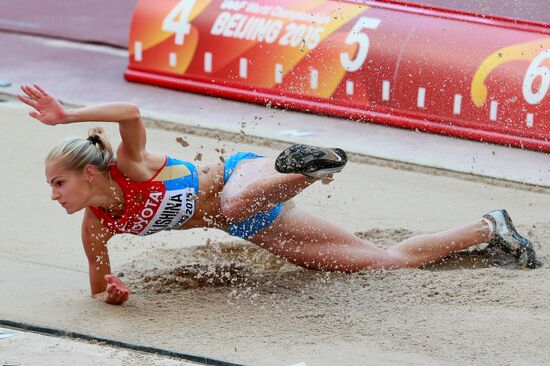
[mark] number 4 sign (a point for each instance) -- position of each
(176, 20)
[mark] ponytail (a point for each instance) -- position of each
(76, 153)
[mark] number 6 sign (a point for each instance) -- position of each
(534, 71)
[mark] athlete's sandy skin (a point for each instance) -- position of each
(298, 236)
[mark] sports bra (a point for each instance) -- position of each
(164, 202)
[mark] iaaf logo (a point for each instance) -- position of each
(536, 81)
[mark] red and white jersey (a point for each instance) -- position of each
(164, 202)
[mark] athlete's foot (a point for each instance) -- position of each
(505, 236)
(311, 161)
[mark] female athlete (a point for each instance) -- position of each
(140, 192)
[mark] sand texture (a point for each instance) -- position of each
(203, 292)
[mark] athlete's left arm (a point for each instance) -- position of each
(104, 285)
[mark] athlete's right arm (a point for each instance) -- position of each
(49, 111)
(104, 286)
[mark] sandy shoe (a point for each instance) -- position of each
(311, 161)
(510, 241)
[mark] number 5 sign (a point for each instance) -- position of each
(425, 68)
(363, 43)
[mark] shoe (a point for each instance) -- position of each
(510, 241)
(311, 161)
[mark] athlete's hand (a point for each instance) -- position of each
(47, 109)
(117, 292)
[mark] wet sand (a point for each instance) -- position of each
(204, 292)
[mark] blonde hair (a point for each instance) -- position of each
(76, 152)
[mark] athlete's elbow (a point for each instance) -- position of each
(133, 111)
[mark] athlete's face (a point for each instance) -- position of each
(69, 188)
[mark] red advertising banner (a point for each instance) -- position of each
(446, 72)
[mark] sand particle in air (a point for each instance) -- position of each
(182, 142)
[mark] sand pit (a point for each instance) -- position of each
(205, 293)
(247, 268)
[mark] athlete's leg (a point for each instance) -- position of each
(428, 248)
(311, 242)
(255, 186)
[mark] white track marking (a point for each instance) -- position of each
(295, 133)
(85, 47)
(207, 62)
(529, 120)
(493, 110)
(4, 334)
(457, 106)
(278, 73)
(349, 87)
(138, 56)
(314, 82)
(243, 68)
(421, 98)
(173, 59)
(386, 90)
